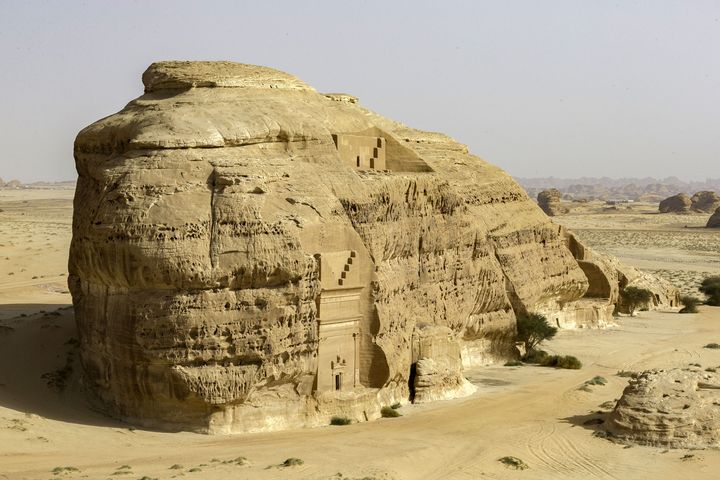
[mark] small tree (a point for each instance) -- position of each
(690, 304)
(634, 298)
(711, 287)
(532, 329)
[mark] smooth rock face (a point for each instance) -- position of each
(249, 254)
(677, 408)
(549, 201)
(714, 220)
(705, 201)
(679, 203)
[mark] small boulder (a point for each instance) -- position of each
(675, 408)
(714, 221)
(679, 203)
(705, 201)
(549, 201)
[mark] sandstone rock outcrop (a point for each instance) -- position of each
(439, 371)
(714, 220)
(705, 202)
(679, 203)
(678, 408)
(606, 277)
(249, 254)
(549, 201)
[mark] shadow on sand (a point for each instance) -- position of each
(39, 366)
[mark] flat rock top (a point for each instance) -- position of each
(206, 74)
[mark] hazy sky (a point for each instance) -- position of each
(553, 87)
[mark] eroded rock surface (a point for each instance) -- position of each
(678, 408)
(249, 254)
(549, 201)
(679, 203)
(714, 220)
(705, 201)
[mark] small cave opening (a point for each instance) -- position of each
(411, 381)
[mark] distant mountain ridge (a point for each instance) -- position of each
(606, 188)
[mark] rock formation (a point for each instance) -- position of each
(679, 203)
(249, 254)
(705, 202)
(549, 201)
(11, 184)
(714, 220)
(678, 408)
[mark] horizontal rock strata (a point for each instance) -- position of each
(678, 408)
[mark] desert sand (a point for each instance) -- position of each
(533, 413)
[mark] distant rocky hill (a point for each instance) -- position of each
(604, 188)
(17, 184)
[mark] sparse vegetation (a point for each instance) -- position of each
(292, 462)
(535, 356)
(710, 286)
(625, 373)
(340, 421)
(64, 470)
(597, 380)
(389, 412)
(634, 298)
(395, 405)
(513, 363)
(542, 358)
(177, 466)
(713, 345)
(690, 304)
(533, 329)
(563, 361)
(513, 462)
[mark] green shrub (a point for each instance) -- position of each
(597, 380)
(533, 329)
(542, 358)
(513, 462)
(633, 298)
(690, 304)
(713, 345)
(64, 470)
(340, 421)
(389, 412)
(562, 361)
(535, 356)
(292, 462)
(711, 288)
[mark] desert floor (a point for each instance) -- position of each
(533, 413)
